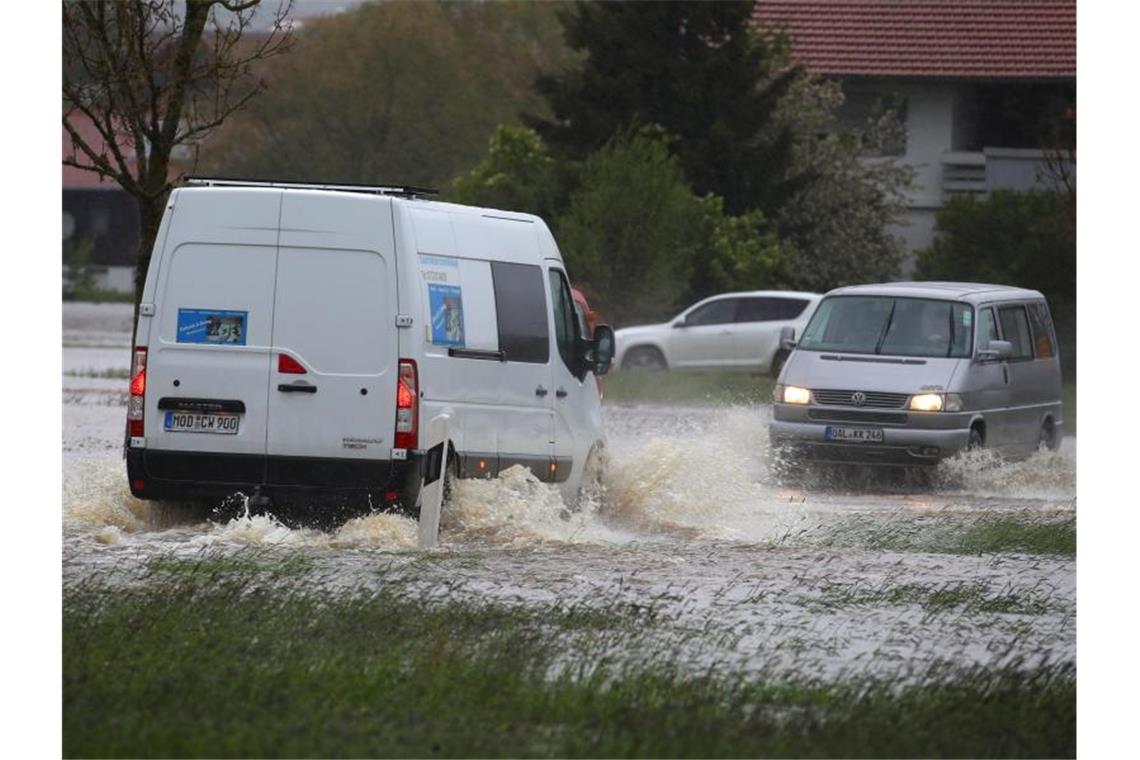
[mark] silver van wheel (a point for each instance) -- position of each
(1046, 438)
(976, 441)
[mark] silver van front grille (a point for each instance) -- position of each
(848, 415)
(862, 399)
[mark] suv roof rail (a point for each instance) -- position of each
(406, 191)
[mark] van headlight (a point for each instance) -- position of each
(792, 394)
(935, 402)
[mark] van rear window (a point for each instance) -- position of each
(520, 302)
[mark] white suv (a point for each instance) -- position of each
(735, 331)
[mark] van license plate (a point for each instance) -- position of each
(854, 435)
(190, 422)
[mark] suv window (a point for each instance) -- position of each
(565, 321)
(521, 307)
(714, 313)
(769, 309)
(1015, 329)
(1044, 345)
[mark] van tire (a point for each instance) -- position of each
(644, 359)
(977, 440)
(1047, 437)
(778, 362)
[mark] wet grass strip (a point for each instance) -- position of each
(213, 664)
(681, 387)
(1059, 538)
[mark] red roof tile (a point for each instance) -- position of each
(929, 38)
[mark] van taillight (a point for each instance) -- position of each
(407, 406)
(138, 390)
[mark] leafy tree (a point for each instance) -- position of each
(632, 228)
(396, 92)
(696, 69)
(839, 224)
(739, 253)
(517, 173)
(1010, 238)
(153, 75)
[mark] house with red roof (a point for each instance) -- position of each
(986, 89)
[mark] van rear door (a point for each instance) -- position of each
(209, 360)
(332, 380)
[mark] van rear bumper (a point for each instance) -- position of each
(193, 476)
(900, 446)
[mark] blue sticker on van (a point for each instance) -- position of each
(212, 326)
(446, 303)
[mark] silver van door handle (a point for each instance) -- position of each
(561, 393)
(540, 391)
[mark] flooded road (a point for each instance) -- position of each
(833, 576)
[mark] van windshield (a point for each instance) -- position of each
(891, 326)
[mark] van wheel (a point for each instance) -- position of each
(976, 440)
(645, 359)
(1047, 437)
(778, 362)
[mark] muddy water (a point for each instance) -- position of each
(827, 576)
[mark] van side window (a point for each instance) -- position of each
(520, 303)
(1044, 346)
(987, 328)
(565, 323)
(1015, 329)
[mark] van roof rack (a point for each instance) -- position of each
(406, 191)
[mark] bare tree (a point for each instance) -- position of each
(154, 75)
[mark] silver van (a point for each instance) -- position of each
(909, 373)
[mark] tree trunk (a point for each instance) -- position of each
(150, 217)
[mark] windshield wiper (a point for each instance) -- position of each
(886, 327)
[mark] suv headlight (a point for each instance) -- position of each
(935, 402)
(792, 394)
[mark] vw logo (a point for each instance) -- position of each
(858, 398)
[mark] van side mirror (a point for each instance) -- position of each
(995, 350)
(787, 337)
(680, 323)
(599, 354)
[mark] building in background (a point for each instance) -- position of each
(100, 222)
(986, 88)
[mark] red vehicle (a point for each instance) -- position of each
(589, 317)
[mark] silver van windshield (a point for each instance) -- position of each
(891, 326)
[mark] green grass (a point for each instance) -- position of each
(939, 598)
(989, 536)
(682, 387)
(98, 295)
(220, 663)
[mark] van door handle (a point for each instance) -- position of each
(561, 393)
(540, 391)
(286, 388)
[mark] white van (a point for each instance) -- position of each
(294, 341)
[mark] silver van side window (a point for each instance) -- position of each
(987, 328)
(1015, 329)
(1044, 345)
